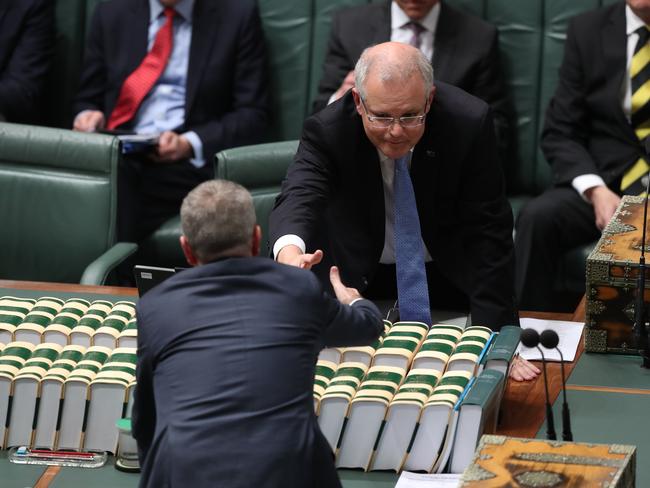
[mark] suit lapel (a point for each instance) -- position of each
(371, 170)
(204, 28)
(137, 25)
(614, 45)
(424, 166)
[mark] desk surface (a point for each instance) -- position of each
(523, 404)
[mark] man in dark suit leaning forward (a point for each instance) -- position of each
(336, 204)
(226, 357)
(463, 49)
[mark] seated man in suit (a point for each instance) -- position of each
(593, 138)
(193, 71)
(26, 46)
(340, 202)
(226, 357)
(463, 48)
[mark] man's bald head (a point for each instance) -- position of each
(392, 62)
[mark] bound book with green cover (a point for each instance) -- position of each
(366, 415)
(325, 371)
(401, 418)
(12, 312)
(336, 399)
(478, 415)
(129, 335)
(82, 333)
(51, 395)
(13, 357)
(470, 348)
(108, 399)
(120, 315)
(38, 318)
(401, 343)
(59, 329)
(27, 391)
(75, 397)
(438, 347)
(503, 349)
(433, 434)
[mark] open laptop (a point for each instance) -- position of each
(146, 277)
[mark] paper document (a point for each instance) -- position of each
(568, 332)
(416, 480)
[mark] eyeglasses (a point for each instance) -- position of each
(386, 122)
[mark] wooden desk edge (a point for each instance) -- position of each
(68, 287)
(523, 407)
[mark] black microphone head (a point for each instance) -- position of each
(529, 337)
(549, 339)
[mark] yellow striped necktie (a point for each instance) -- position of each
(632, 182)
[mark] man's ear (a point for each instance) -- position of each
(357, 100)
(257, 240)
(432, 94)
(190, 257)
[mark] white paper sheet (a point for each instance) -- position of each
(568, 332)
(416, 480)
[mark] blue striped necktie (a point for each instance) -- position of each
(412, 290)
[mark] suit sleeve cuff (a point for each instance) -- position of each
(287, 240)
(582, 183)
(197, 147)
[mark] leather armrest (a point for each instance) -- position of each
(97, 271)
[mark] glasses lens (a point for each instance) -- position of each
(381, 121)
(411, 121)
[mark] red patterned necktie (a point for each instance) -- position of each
(143, 78)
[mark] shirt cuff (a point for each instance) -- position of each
(582, 183)
(356, 300)
(287, 240)
(197, 146)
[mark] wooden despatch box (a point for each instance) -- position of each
(612, 270)
(502, 461)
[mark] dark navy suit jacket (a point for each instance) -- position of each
(227, 81)
(26, 46)
(226, 356)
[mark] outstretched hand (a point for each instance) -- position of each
(293, 256)
(343, 293)
(522, 370)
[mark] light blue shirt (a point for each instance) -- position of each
(164, 107)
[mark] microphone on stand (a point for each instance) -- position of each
(530, 338)
(640, 331)
(549, 339)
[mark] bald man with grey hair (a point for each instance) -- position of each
(227, 353)
(402, 69)
(337, 205)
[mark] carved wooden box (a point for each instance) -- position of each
(612, 270)
(510, 461)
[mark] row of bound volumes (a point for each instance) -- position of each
(419, 402)
(64, 397)
(74, 321)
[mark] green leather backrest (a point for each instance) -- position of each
(68, 52)
(531, 37)
(57, 201)
(260, 169)
(322, 24)
(287, 26)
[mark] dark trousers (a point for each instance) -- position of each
(547, 227)
(150, 193)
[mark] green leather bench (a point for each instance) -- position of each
(531, 42)
(57, 205)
